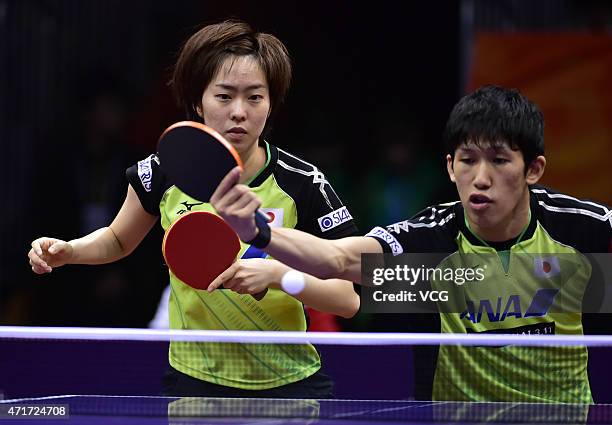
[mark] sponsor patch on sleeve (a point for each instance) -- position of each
(334, 219)
(145, 173)
(389, 239)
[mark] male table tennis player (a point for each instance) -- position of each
(495, 143)
(232, 79)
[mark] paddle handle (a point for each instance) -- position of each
(261, 220)
(263, 236)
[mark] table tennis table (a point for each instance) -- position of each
(135, 410)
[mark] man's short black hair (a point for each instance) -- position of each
(497, 115)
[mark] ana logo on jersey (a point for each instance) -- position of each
(540, 305)
(546, 267)
(334, 219)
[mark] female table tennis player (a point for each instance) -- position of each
(232, 79)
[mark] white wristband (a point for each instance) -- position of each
(293, 282)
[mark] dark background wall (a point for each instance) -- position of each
(84, 95)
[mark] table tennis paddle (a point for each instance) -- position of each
(195, 158)
(198, 247)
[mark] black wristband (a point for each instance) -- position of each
(263, 236)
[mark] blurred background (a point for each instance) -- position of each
(84, 95)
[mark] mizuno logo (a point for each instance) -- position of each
(188, 207)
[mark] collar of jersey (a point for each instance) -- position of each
(526, 234)
(266, 170)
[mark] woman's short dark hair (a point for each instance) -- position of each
(497, 115)
(204, 53)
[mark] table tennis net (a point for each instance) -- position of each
(387, 376)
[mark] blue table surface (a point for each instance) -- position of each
(198, 410)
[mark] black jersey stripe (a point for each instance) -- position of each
(317, 178)
(300, 161)
(567, 201)
(581, 211)
(404, 225)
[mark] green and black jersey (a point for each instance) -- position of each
(294, 194)
(518, 297)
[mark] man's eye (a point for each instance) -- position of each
(500, 161)
(468, 161)
(223, 96)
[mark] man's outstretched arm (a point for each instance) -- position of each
(325, 259)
